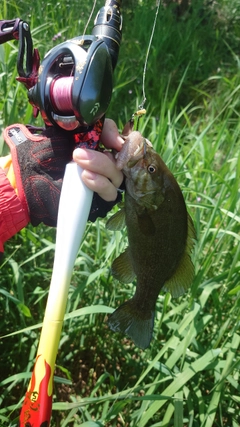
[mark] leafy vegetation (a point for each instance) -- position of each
(190, 374)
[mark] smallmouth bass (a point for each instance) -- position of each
(160, 234)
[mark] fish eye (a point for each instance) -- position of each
(151, 169)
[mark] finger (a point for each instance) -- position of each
(99, 163)
(110, 136)
(100, 184)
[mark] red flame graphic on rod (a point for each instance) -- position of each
(37, 405)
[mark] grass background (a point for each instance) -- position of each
(189, 376)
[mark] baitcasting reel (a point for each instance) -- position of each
(74, 84)
(72, 87)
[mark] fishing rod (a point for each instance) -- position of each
(71, 89)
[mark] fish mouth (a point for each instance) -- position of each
(139, 154)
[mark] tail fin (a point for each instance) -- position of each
(129, 319)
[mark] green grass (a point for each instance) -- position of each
(190, 374)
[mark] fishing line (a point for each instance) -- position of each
(61, 95)
(90, 17)
(138, 113)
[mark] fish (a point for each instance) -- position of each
(161, 238)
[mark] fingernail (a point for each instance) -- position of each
(82, 154)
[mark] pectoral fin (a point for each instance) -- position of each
(122, 268)
(183, 277)
(117, 221)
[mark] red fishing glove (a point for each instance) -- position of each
(39, 161)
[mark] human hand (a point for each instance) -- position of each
(39, 160)
(99, 170)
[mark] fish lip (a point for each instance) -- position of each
(133, 150)
(139, 154)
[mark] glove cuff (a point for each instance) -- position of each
(17, 172)
(13, 214)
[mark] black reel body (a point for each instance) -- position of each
(74, 85)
